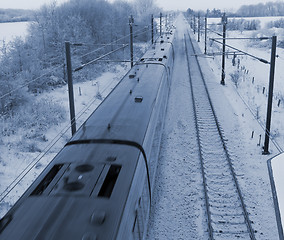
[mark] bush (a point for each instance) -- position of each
(242, 24)
(277, 24)
(34, 119)
(235, 77)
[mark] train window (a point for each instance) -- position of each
(109, 181)
(47, 179)
(275, 168)
(138, 99)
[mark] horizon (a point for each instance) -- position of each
(178, 5)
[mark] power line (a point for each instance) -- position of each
(95, 60)
(109, 44)
(260, 123)
(31, 165)
(26, 84)
(140, 31)
(259, 59)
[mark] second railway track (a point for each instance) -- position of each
(227, 216)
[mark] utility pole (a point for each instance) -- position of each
(270, 95)
(194, 24)
(166, 21)
(131, 21)
(205, 38)
(198, 40)
(161, 15)
(152, 23)
(224, 22)
(70, 88)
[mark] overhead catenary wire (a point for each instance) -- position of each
(31, 81)
(219, 34)
(57, 138)
(109, 44)
(148, 30)
(275, 143)
(62, 65)
(248, 54)
(30, 166)
(98, 58)
(36, 160)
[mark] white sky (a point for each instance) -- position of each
(205, 4)
(166, 4)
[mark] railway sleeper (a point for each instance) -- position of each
(232, 235)
(230, 228)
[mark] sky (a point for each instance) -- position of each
(165, 4)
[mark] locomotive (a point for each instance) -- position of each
(99, 185)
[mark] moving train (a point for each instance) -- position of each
(99, 185)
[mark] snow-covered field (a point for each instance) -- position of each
(253, 76)
(8, 31)
(263, 20)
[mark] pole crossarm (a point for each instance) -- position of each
(99, 58)
(227, 53)
(219, 34)
(248, 54)
(260, 38)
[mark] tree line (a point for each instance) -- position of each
(15, 15)
(256, 10)
(262, 10)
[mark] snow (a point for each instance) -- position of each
(8, 31)
(178, 210)
(246, 99)
(16, 164)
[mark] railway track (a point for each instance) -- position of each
(227, 216)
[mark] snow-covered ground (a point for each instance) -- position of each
(253, 77)
(249, 103)
(178, 212)
(15, 164)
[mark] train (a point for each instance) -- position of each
(100, 185)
